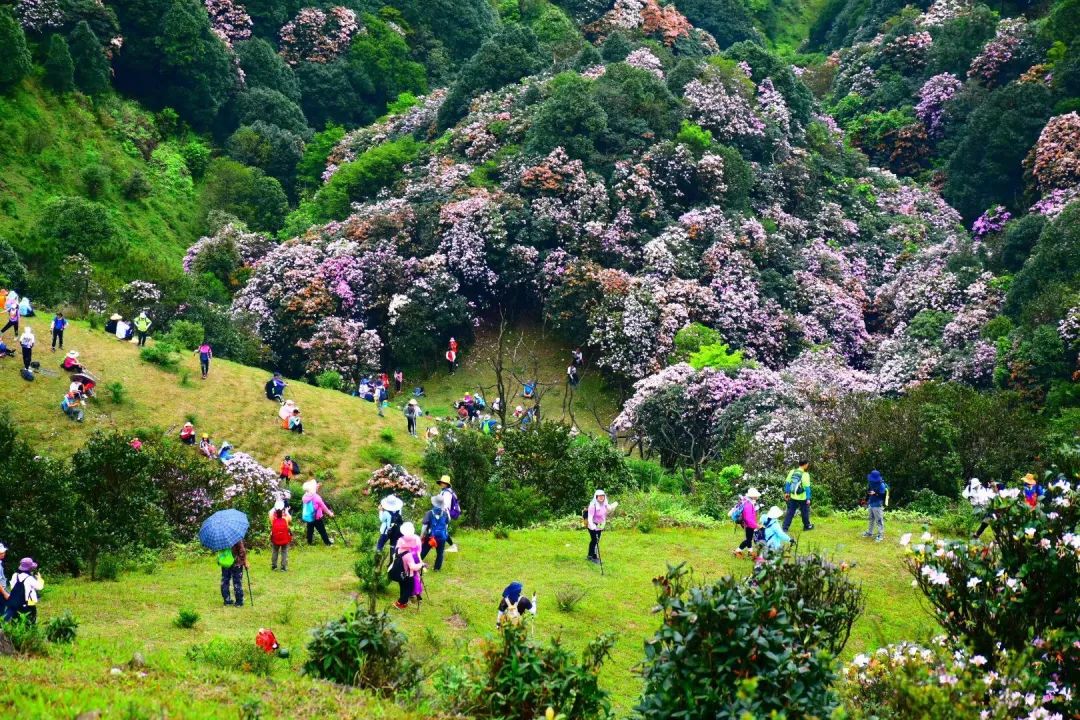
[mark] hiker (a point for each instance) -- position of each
(275, 387)
(432, 434)
(1033, 491)
(3, 578)
(577, 358)
(876, 493)
(385, 380)
(205, 353)
(206, 446)
(59, 324)
(111, 323)
(11, 300)
(529, 390)
(296, 425)
(71, 404)
(313, 511)
(286, 473)
(13, 320)
(280, 535)
(452, 506)
(25, 309)
(124, 331)
(232, 563)
(407, 567)
(5, 351)
(747, 517)
(452, 345)
(412, 412)
(142, 326)
(22, 596)
(451, 361)
(513, 605)
(225, 452)
(27, 341)
(389, 522)
(399, 378)
(436, 530)
(572, 376)
(381, 396)
(797, 494)
(596, 520)
(187, 434)
(774, 536)
(70, 363)
(136, 444)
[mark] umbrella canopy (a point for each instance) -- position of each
(223, 529)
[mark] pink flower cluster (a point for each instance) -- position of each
(933, 95)
(911, 51)
(470, 229)
(1057, 153)
(1011, 35)
(229, 20)
(343, 346)
(991, 221)
(645, 60)
(250, 247)
(318, 36)
(248, 476)
(726, 114)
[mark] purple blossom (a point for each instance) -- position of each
(728, 115)
(1012, 34)
(229, 20)
(343, 346)
(645, 60)
(933, 95)
(318, 36)
(991, 221)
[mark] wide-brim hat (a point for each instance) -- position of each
(753, 493)
(413, 402)
(116, 316)
(775, 513)
(445, 480)
(311, 486)
(437, 501)
(27, 565)
(392, 503)
(598, 493)
(1029, 479)
(279, 504)
(3, 548)
(408, 529)
(73, 354)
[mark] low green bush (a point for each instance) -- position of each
(108, 568)
(364, 649)
(567, 597)
(26, 637)
(329, 380)
(62, 629)
(185, 334)
(386, 435)
(646, 474)
(928, 502)
(384, 454)
(163, 354)
(186, 618)
(117, 392)
(240, 655)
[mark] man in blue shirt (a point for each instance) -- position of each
(876, 491)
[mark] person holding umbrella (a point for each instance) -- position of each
(223, 532)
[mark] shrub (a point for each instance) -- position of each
(928, 502)
(186, 618)
(108, 568)
(386, 435)
(117, 392)
(137, 186)
(714, 492)
(162, 354)
(185, 334)
(363, 649)
(515, 678)
(329, 380)
(646, 475)
(384, 454)
(236, 655)
(95, 179)
(647, 522)
(567, 597)
(500, 532)
(26, 637)
(62, 628)
(746, 647)
(370, 568)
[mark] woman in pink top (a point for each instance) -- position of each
(407, 567)
(596, 519)
(205, 353)
(313, 511)
(749, 519)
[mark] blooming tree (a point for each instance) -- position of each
(229, 20)
(318, 36)
(343, 346)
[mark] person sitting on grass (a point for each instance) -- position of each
(70, 362)
(514, 605)
(226, 451)
(275, 388)
(187, 434)
(775, 537)
(206, 447)
(285, 474)
(296, 425)
(5, 351)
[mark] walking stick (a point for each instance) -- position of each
(251, 593)
(337, 527)
(598, 555)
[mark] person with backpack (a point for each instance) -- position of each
(280, 535)
(3, 578)
(13, 320)
(877, 491)
(412, 412)
(436, 529)
(596, 520)
(775, 537)
(22, 596)
(407, 567)
(797, 494)
(380, 398)
(314, 509)
(27, 341)
(142, 327)
(745, 514)
(453, 507)
(59, 324)
(205, 353)
(514, 605)
(389, 522)
(1033, 491)
(287, 471)
(275, 388)
(232, 563)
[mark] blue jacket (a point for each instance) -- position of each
(775, 537)
(875, 484)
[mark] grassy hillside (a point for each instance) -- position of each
(458, 610)
(47, 140)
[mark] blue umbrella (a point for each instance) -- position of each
(223, 529)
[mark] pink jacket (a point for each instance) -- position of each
(411, 560)
(749, 515)
(597, 515)
(317, 501)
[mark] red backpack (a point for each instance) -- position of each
(279, 531)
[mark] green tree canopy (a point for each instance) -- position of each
(59, 68)
(91, 67)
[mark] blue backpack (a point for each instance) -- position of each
(439, 525)
(736, 512)
(308, 514)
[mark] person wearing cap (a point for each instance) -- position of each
(22, 598)
(876, 492)
(206, 446)
(314, 511)
(797, 494)
(113, 321)
(748, 519)
(407, 567)
(446, 490)
(70, 363)
(775, 537)
(59, 324)
(3, 577)
(280, 535)
(286, 472)
(142, 326)
(514, 605)
(389, 521)
(1033, 491)
(453, 345)
(187, 434)
(596, 521)
(436, 530)
(412, 412)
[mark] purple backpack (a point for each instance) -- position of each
(455, 506)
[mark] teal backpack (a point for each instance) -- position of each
(308, 514)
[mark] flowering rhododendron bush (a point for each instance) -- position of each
(1017, 592)
(395, 479)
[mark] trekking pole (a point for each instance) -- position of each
(337, 527)
(251, 593)
(598, 555)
